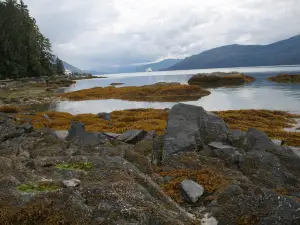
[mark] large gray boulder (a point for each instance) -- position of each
(190, 128)
(191, 191)
(79, 135)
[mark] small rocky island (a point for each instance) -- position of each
(220, 79)
(198, 172)
(285, 78)
(160, 92)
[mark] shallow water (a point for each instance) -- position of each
(261, 94)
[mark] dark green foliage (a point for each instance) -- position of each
(24, 51)
(60, 69)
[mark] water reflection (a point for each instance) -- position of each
(257, 95)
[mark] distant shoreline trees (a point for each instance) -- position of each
(24, 51)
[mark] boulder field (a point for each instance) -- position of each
(198, 172)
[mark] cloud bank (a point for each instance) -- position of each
(102, 34)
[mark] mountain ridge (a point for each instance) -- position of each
(284, 52)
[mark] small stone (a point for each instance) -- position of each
(191, 190)
(71, 183)
(46, 117)
(63, 134)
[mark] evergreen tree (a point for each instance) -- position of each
(60, 68)
(24, 51)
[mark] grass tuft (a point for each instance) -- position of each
(38, 187)
(86, 166)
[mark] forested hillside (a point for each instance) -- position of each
(24, 51)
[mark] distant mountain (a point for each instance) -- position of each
(158, 65)
(286, 52)
(72, 68)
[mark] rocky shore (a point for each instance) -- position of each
(198, 172)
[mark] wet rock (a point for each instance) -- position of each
(104, 115)
(71, 183)
(132, 136)
(79, 135)
(190, 128)
(191, 191)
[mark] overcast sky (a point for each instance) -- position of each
(96, 34)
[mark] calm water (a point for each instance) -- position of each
(260, 94)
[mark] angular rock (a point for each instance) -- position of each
(132, 136)
(71, 183)
(104, 115)
(63, 134)
(238, 139)
(225, 152)
(259, 140)
(190, 127)
(277, 142)
(220, 145)
(79, 135)
(191, 191)
(111, 135)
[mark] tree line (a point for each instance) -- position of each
(24, 51)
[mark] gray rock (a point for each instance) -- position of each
(46, 117)
(71, 183)
(238, 139)
(277, 142)
(220, 145)
(225, 152)
(111, 135)
(79, 135)
(190, 127)
(265, 168)
(132, 136)
(157, 152)
(231, 191)
(63, 134)
(104, 115)
(191, 191)
(151, 135)
(259, 140)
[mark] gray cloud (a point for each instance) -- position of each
(108, 33)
